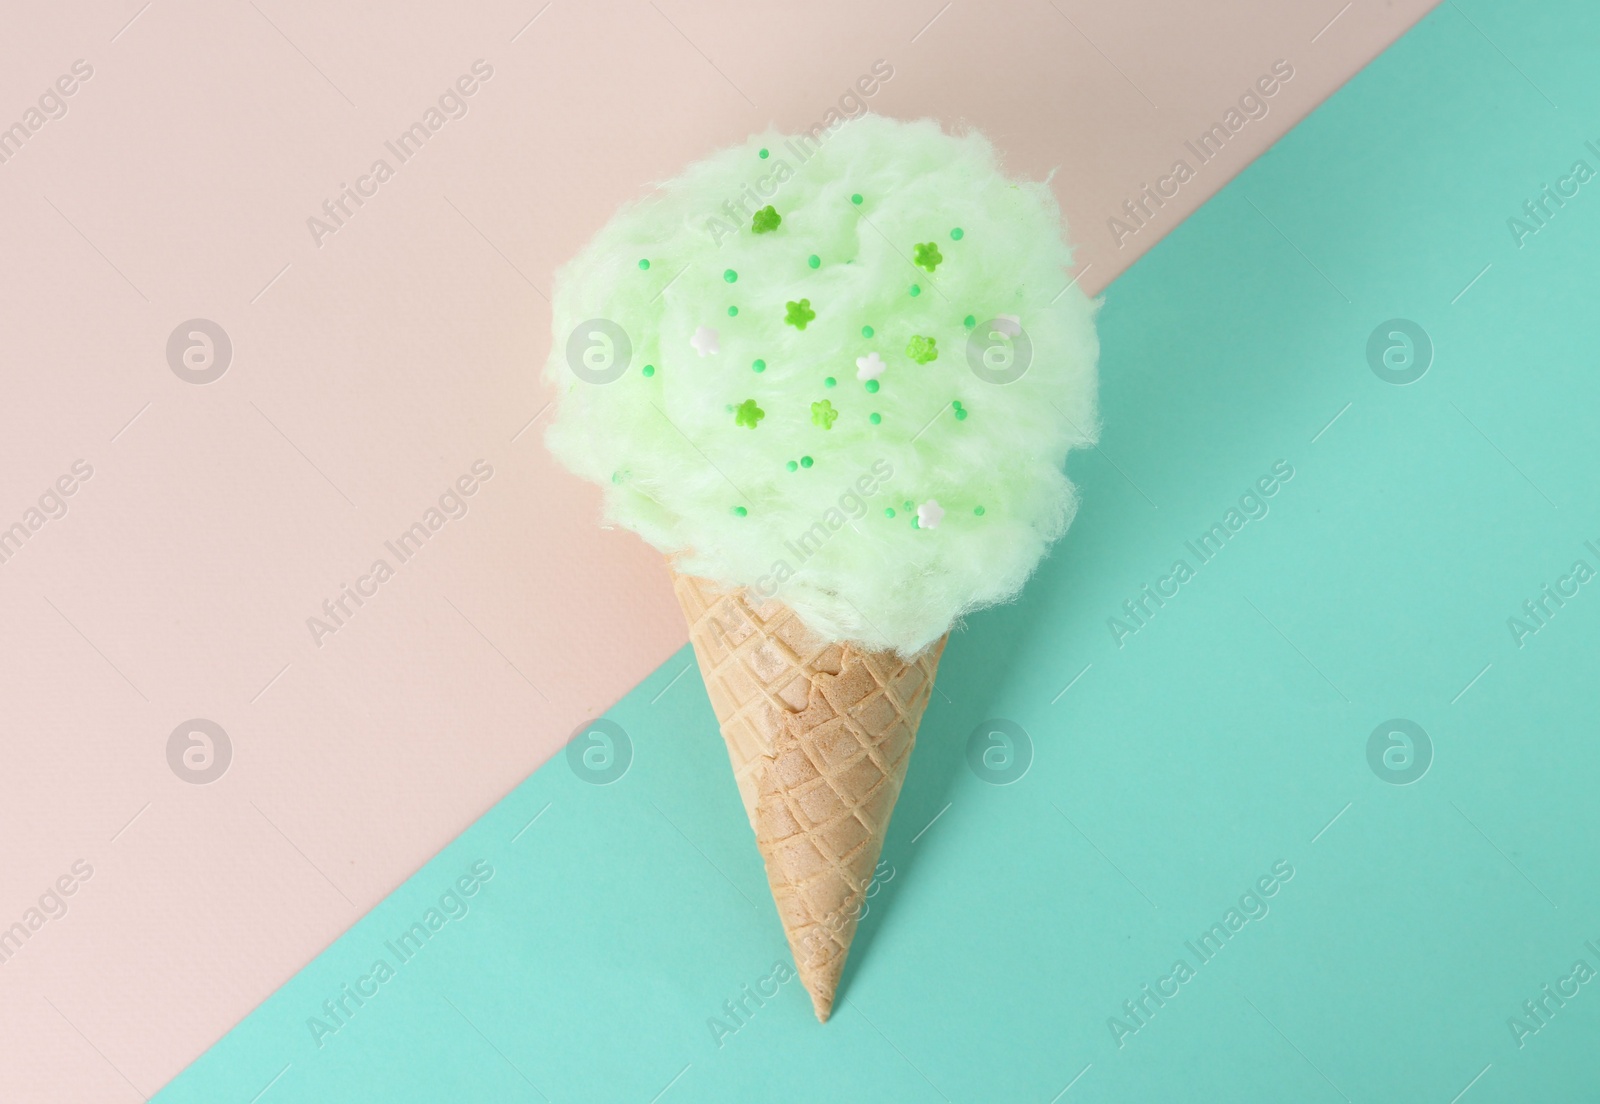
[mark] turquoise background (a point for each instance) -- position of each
(1228, 734)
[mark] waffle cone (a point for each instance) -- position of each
(819, 735)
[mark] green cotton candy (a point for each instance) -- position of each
(974, 437)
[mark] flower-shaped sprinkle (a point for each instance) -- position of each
(927, 255)
(748, 413)
(798, 314)
(765, 219)
(922, 349)
(870, 366)
(930, 514)
(823, 414)
(705, 341)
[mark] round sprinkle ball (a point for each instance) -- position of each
(758, 365)
(866, 331)
(957, 234)
(739, 511)
(888, 511)
(969, 321)
(978, 510)
(791, 465)
(814, 261)
(829, 382)
(730, 275)
(875, 418)
(733, 312)
(806, 461)
(649, 370)
(763, 154)
(872, 387)
(643, 264)
(916, 290)
(856, 199)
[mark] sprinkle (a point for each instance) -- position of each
(856, 199)
(929, 514)
(874, 418)
(969, 321)
(806, 461)
(927, 255)
(762, 154)
(872, 387)
(866, 331)
(798, 314)
(909, 505)
(730, 275)
(978, 510)
(765, 219)
(870, 366)
(957, 234)
(738, 511)
(823, 414)
(792, 466)
(961, 415)
(649, 370)
(915, 291)
(758, 365)
(829, 382)
(643, 264)
(733, 312)
(705, 341)
(888, 511)
(922, 349)
(814, 261)
(748, 413)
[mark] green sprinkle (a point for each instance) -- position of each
(888, 511)
(738, 511)
(856, 199)
(915, 291)
(643, 264)
(798, 314)
(649, 369)
(823, 414)
(758, 365)
(978, 510)
(814, 261)
(792, 466)
(866, 331)
(829, 382)
(969, 321)
(961, 415)
(765, 219)
(956, 235)
(733, 312)
(909, 504)
(927, 255)
(916, 523)
(616, 477)
(872, 387)
(748, 413)
(874, 418)
(730, 275)
(806, 461)
(762, 155)
(922, 349)
(956, 403)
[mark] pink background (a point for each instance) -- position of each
(367, 374)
